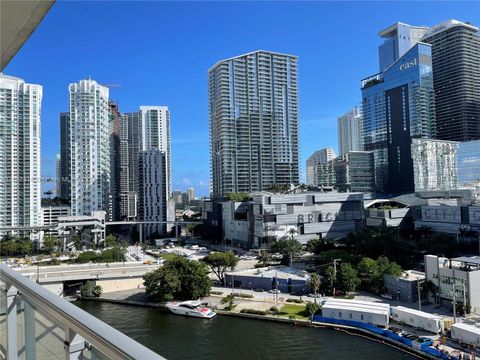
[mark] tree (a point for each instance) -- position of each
(311, 308)
(347, 278)
(50, 243)
(219, 262)
(315, 246)
(330, 275)
(110, 240)
(238, 196)
(288, 247)
(264, 258)
(315, 284)
(178, 278)
(25, 246)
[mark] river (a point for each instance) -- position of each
(225, 337)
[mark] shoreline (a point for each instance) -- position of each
(353, 331)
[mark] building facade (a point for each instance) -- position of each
(352, 172)
(115, 161)
(90, 148)
(398, 105)
(153, 195)
(253, 102)
(468, 167)
(50, 215)
(319, 157)
(398, 39)
(456, 79)
(434, 164)
(65, 162)
(350, 135)
(20, 135)
(58, 175)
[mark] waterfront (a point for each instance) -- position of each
(177, 337)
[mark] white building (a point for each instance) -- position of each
(319, 157)
(360, 311)
(459, 277)
(90, 147)
(20, 133)
(350, 134)
(90, 228)
(50, 215)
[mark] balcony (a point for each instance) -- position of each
(37, 324)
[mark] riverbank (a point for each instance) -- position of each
(140, 299)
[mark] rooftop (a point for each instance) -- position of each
(250, 53)
(281, 272)
(354, 307)
(387, 32)
(447, 25)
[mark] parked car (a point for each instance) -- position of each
(258, 290)
(387, 296)
(274, 291)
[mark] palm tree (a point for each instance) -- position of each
(315, 283)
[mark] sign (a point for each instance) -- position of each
(449, 214)
(408, 64)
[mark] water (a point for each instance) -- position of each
(225, 337)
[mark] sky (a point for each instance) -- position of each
(160, 53)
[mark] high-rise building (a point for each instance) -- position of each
(115, 161)
(456, 79)
(319, 157)
(20, 134)
(191, 194)
(253, 102)
(468, 166)
(58, 175)
(153, 194)
(350, 136)
(90, 148)
(434, 164)
(398, 105)
(399, 38)
(65, 142)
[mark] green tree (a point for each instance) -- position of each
(178, 278)
(289, 248)
(330, 275)
(219, 262)
(347, 278)
(110, 240)
(368, 271)
(315, 283)
(238, 196)
(311, 308)
(264, 258)
(50, 243)
(25, 246)
(315, 246)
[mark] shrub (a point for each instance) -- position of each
(311, 308)
(274, 310)
(296, 301)
(292, 317)
(245, 296)
(97, 291)
(216, 292)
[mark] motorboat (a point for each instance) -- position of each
(190, 308)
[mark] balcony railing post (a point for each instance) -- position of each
(30, 325)
(12, 340)
(74, 345)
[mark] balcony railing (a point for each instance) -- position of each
(37, 324)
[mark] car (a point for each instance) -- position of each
(314, 296)
(387, 296)
(274, 291)
(258, 290)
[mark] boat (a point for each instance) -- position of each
(190, 308)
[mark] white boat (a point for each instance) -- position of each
(190, 308)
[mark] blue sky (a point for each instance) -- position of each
(160, 53)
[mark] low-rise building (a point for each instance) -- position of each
(286, 279)
(360, 311)
(458, 277)
(405, 286)
(50, 215)
(91, 229)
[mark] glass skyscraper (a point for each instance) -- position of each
(468, 165)
(253, 122)
(398, 105)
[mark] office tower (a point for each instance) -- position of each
(319, 157)
(350, 137)
(398, 105)
(177, 199)
(115, 166)
(65, 141)
(90, 148)
(20, 134)
(191, 194)
(153, 193)
(468, 166)
(58, 175)
(399, 38)
(456, 79)
(253, 102)
(434, 164)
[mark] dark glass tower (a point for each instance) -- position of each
(64, 156)
(456, 79)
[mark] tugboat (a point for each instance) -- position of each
(190, 308)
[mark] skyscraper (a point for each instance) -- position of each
(399, 38)
(350, 135)
(398, 105)
(58, 175)
(319, 157)
(253, 102)
(191, 194)
(90, 147)
(456, 79)
(115, 167)
(20, 134)
(65, 143)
